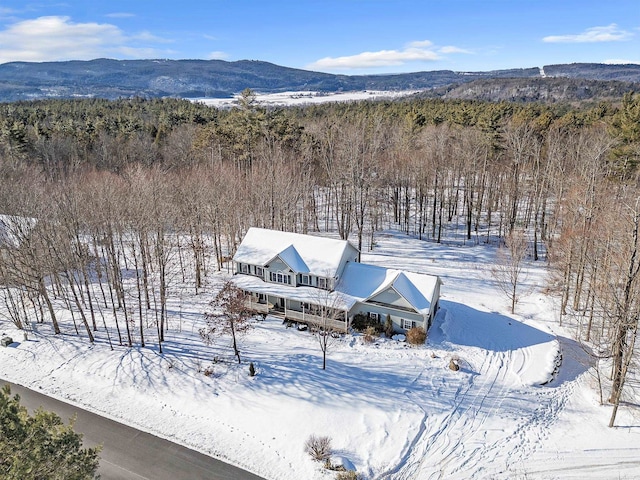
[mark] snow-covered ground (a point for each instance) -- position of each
(307, 98)
(394, 411)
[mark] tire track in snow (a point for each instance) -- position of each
(465, 436)
(530, 433)
(412, 459)
(505, 452)
(440, 448)
(491, 423)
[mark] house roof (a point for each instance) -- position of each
(312, 295)
(302, 253)
(363, 282)
(291, 257)
(359, 283)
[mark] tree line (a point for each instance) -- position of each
(112, 208)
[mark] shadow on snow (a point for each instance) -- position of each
(493, 331)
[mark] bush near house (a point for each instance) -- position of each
(388, 327)
(416, 336)
(361, 322)
(370, 334)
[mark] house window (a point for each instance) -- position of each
(304, 280)
(322, 282)
(407, 324)
(374, 316)
(259, 271)
(280, 278)
(244, 268)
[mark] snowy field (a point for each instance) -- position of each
(393, 411)
(307, 98)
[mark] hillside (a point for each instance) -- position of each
(545, 90)
(104, 78)
(393, 412)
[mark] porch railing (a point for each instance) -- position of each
(296, 315)
(316, 320)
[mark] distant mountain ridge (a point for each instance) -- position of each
(543, 90)
(105, 78)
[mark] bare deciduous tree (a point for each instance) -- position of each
(329, 313)
(230, 316)
(509, 268)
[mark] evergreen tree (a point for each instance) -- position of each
(40, 446)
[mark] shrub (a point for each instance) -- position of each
(348, 475)
(416, 336)
(370, 334)
(361, 321)
(319, 448)
(388, 327)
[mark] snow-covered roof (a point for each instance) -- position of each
(291, 257)
(313, 295)
(302, 253)
(363, 282)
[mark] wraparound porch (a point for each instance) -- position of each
(324, 317)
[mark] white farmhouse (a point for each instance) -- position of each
(302, 277)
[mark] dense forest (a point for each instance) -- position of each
(96, 191)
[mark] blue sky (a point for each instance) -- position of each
(348, 36)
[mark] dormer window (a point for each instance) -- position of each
(322, 283)
(305, 279)
(259, 272)
(244, 268)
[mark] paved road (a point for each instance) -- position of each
(129, 454)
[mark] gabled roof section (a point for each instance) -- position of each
(410, 292)
(364, 282)
(303, 253)
(291, 257)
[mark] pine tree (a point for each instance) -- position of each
(40, 446)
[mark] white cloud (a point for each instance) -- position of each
(420, 44)
(417, 51)
(609, 33)
(4, 11)
(217, 56)
(149, 37)
(452, 49)
(120, 15)
(58, 38)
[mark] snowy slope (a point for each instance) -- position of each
(394, 411)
